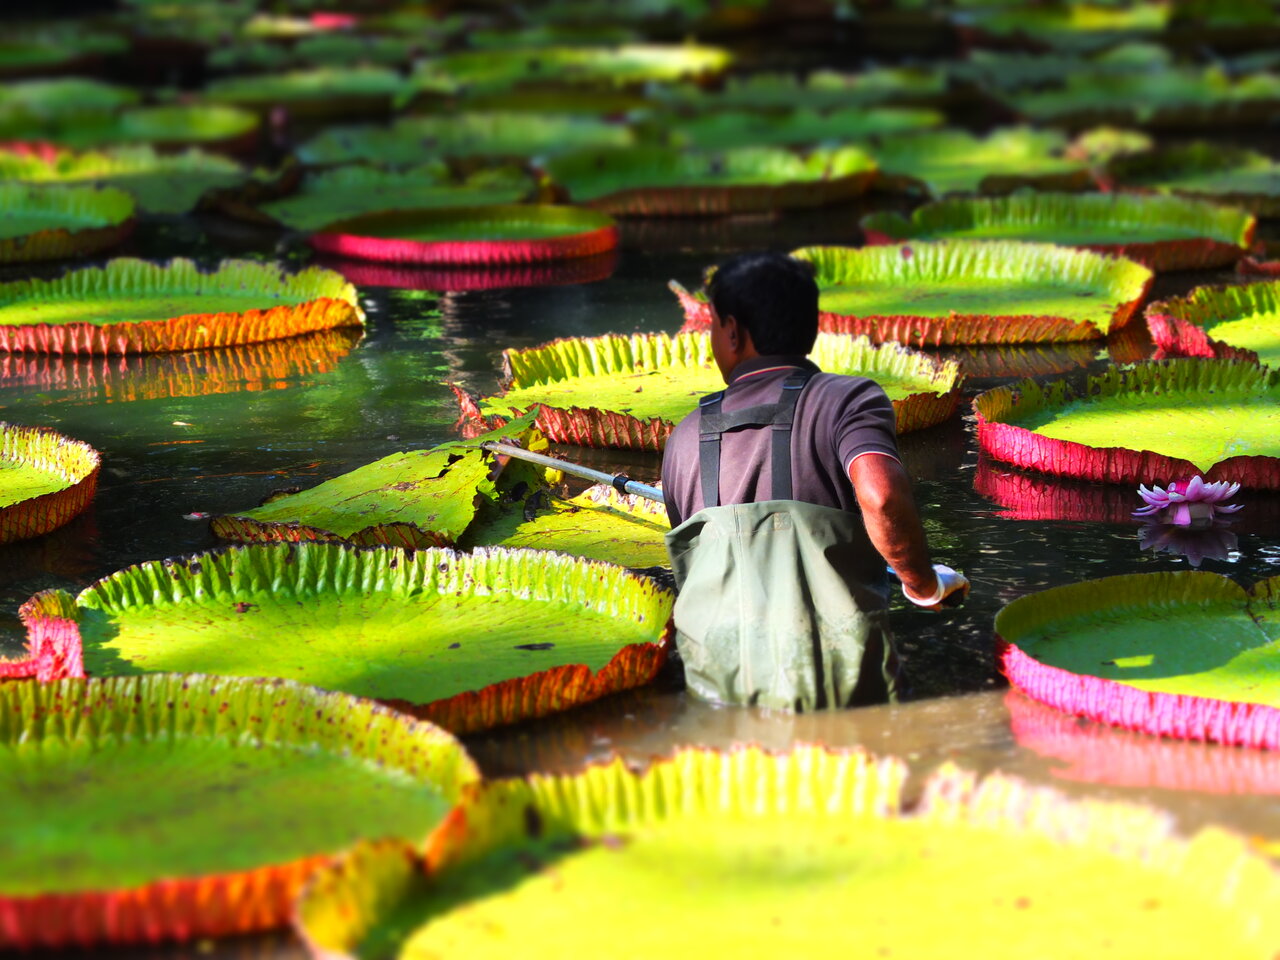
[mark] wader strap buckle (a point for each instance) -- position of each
(712, 423)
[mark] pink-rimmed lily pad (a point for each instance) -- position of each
(466, 640)
(1142, 424)
(517, 233)
(793, 845)
(1163, 233)
(365, 273)
(46, 480)
(1236, 322)
(176, 807)
(947, 292)
(672, 373)
(1188, 655)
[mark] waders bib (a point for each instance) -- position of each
(780, 602)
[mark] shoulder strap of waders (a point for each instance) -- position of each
(778, 416)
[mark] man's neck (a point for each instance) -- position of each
(763, 363)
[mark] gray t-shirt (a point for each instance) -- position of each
(837, 419)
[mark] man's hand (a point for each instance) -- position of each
(951, 591)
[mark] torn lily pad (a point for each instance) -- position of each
(176, 807)
(467, 640)
(769, 853)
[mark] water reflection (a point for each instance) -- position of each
(1216, 541)
(109, 379)
(1031, 496)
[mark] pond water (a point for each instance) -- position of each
(210, 433)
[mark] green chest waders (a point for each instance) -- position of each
(780, 603)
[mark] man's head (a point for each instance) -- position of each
(762, 304)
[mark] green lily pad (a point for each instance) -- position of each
(467, 640)
(1165, 233)
(746, 852)
(161, 183)
(55, 47)
(1242, 178)
(953, 161)
(1148, 423)
(1244, 318)
(57, 222)
(46, 480)
(176, 806)
(569, 65)
(414, 140)
(821, 90)
(135, 306)
(598, 524)
(630, 391)
(419, 498)
(1177, 97)
(321, 90)
(1072, 26)
(69, 98)
(1005, 71)
(660, 181)
(344, 192)
(725, 129)
(973, 291)
(1191, 654)
(1099, 145)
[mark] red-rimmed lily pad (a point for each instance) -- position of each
(420, 498)
(466, 640)
(1164, 233)
(947, 292)
(954, 161)
(415, 140)
(173, 807)
(327, 196)
(55, 223)
(1188, 654)
(365, 273)
(1237, 322)
(748, 852)
(273, 365)
(639, 386)
(46, 479)
(727, 129)
(319, 92)
(597, 524)
(497, 234)
(1149, 423)
(1242, 178)
(161, 183)
(134, 306)
(663, 182)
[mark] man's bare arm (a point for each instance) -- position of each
(892, 521)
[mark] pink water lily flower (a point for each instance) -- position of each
(1188, 502)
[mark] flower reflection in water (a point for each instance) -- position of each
(1198, 543)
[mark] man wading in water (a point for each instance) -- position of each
(786, 498)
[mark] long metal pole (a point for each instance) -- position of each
(619, 481)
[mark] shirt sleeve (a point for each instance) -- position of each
(864, 422)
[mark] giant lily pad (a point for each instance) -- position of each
(747, 852)
(1003, 70)
(659, 181)
(820, 90)
(56, 47)
(59, 103)
(598, 524)
(1164, 233)
(1070, 26)
(54, 223)
(46, 479)
(416, 499)
(1148, 423)
(1170, 97)
(1242, 178)
(1230, 322)
(161, 183)
(415, 140)
(320, 92)
(965, 291)
(367, 273)
(273, 365)
(176, 807)
(639, 386)
(339, 194)
(953, 161)
(725, 129)
(1189, 654)
(132, 306)
(623, 65)
(468, 640)
(515, 233)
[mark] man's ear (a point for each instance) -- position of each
(733, 332)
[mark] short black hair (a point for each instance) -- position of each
(773, 296)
